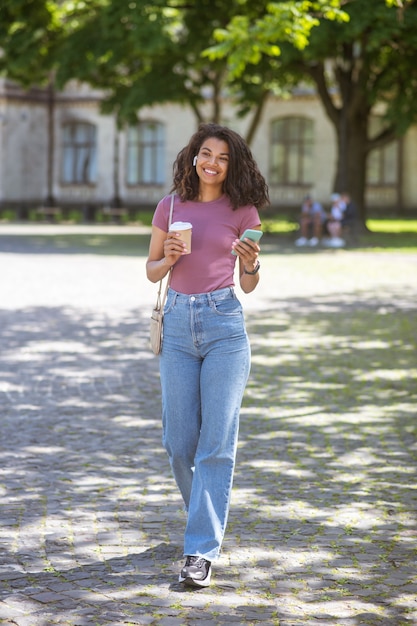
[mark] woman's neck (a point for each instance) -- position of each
(209, 194)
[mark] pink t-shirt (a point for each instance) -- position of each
(216, 225)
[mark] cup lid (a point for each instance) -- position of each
(180, 226)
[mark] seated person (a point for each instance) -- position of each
(334, 222)
(312, 219)
(342, 213)
(350, 213)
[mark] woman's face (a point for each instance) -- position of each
(213, 162)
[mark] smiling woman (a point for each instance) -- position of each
(211, 165)
(244, 184)
(205, 357)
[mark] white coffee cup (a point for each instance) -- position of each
(184, 229)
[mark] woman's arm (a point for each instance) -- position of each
(248, 253)
(164, 251)
(248, 282)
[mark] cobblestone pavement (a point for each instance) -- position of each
(323, 525)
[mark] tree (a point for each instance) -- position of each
(142, 53)
(355, 65)
(29, 36)
(145, 53)
(30, 33)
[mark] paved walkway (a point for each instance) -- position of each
(323, 526)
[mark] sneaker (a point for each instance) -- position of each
(301, 241)
(196, 572)
(313, 241)
(336, 242)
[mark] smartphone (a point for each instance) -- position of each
(253, 235)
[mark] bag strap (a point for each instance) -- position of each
(159, 303)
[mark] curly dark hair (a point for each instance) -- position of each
(244, 184)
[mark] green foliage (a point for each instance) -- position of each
(244, 42)
(357, 56)
(368, 45)
(144, 53)
(141, 53)
(375, 52)
(29, 34)
(357, 53)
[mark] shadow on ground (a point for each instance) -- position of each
(323, 524)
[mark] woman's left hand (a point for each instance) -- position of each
(248, 252)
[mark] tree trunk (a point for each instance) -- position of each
(50, 200)
(350, 120)
(116, 201)
(257, 115)
(217, 98)
(350, 175)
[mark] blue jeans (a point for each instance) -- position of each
(204, 366)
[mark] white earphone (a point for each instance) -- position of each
(195, 161)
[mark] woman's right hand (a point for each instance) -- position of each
(164, 251)
(174, 248)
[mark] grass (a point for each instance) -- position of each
(392, 225)
(279, 226)
(390, 234)
(383, 233)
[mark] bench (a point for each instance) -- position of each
(350, 232)
(49, 213)
(114, 213)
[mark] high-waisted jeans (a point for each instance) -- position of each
(204, 365)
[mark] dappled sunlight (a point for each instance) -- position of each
(37, 347)
(323, 517)
(391, 374)
(329, 437)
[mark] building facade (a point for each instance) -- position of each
(57, 149)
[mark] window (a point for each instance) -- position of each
(292, 151)
(79, 161)
(146, 154)
(382, 165)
